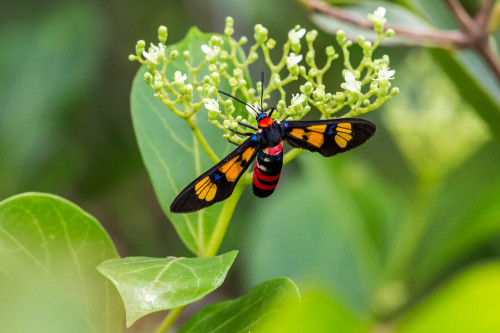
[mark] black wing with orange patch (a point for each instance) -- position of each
(218, 183)
(328, 137)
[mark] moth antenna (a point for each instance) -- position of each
(262, 91)
(238, 100)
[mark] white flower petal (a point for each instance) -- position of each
(300, 33)
(211, 104)
(380, 12)
(349, 76)
(293, 59)
(206, 49)
(249, 108)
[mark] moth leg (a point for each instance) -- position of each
(234, 143)
(246, 125)
(241, 133)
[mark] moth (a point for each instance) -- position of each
(327, 137)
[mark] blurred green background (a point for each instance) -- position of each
(378, 230)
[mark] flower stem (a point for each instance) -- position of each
(169, 319)
(223, 221)
(201, 140)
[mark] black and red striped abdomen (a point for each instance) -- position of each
(267, 170)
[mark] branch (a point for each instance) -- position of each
(483, 16)
(440, 38)
(461, 16)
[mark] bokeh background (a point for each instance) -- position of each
(377, 230)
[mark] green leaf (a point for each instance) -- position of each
(468, 303)
(49, 250)
(149, 285)
(318, 313)
(247, 313)
(172, 155)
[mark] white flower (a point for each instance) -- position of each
(211, 52)
(379, 12)
(178, 77)
(155, 52)
(295, 35)
(297, 100)
(293, 59)
(384, 74)
(351, 83)
(211, 104)
(250, 108)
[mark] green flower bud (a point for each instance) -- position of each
(210, 92)
(199, 90)
(149, 78)
(189, 89)
(206, 79)
(281, 106)
(215, 78)
(394, 91)
(234, 125)
(311, 36)
(253, 56)
(243, 40)
(313, 72)
(341, 37)
(139, 47)
(224, 55)
(228, 31)
(174, 54)
(276, 80)
(233, 82)
(251, 91)
(229, 21)
(366, 102)
(227, 123)
(307, 88)
(237, 73)
(242, 83)
(186, 55)
(132, 57)
(318, 95)
(330, 51)
(302, 70)
(361, 40)
(212, 114)
(162, 34)
(390, 32)
(327, 98)
(310, 55)
(260, 34)
(271, 43)
(212, 68)
(238, 118)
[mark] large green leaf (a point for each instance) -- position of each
(247, 313)
(468, 303)
(153, 284)
(172, 155)
(49, 250)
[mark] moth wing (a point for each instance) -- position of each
(218, 183)
(328, 137)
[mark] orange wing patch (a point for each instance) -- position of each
(344, 134)
(205, 189)
(314, 138)
(317, 128)
(233, 168)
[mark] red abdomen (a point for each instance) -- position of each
(267, 170)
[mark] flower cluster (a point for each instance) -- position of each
(219, 63)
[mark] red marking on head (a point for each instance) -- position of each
(274, 150)
(265, 122)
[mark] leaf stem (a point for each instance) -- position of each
(223, 221)
(170, 319)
